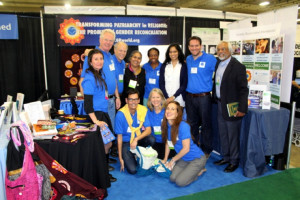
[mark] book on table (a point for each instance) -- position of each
(232, 108)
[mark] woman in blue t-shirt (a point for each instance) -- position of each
(189, 162)
(152, 69)
(96, 96)
(156, 106)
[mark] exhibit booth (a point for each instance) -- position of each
(44, 61)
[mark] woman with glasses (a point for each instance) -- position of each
(135, 76)
(189, 162)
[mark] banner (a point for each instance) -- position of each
(9, 26)
(85, 30)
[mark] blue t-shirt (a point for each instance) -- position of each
(108, 70)
(155, 121)
(121, 125)
(120, 70)
(184, 132)
(200, 73)
(100, 103)
(152, 78)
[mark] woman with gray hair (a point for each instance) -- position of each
(135, 76)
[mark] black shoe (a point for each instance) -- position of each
(111, 178)
(111, 160)
(221, 162)
(231, 168)
(110, 168)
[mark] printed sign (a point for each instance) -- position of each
(8, 26)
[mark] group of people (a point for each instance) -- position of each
(152, 101)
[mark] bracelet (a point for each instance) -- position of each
(117, 97)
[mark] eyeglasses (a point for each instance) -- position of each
(131, 100)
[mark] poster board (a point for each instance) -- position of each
(260, 49)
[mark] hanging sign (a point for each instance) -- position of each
(8, 26)
(85, 30)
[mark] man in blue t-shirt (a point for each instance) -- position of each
(134, 134)
(120, 50)
(198, 100)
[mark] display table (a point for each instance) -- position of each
(67, 107)
(262, 134)
(84, 158)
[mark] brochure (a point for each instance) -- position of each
(232, 108)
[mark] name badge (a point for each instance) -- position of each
(170, 144)
(157, 73)
(157, 130)
(132, 84)
(121, 78)
(194, 70)
(202, 64)
(152, 81)
(218, 80)
(128, 130)
(112, 66)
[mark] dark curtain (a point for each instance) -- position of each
(52, 58)
(21, 61)
(176, 28)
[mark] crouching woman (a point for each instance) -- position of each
(189, 162)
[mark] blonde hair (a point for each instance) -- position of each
(163, 99)
(107, 31)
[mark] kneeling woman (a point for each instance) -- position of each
(189, 162)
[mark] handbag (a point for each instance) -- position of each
(145, 159)
(107, 135)
(27, 185)
(162, 170)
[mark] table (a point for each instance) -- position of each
(262, 134)
(67, 107)
(84, 158)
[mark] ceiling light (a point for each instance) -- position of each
(67, 6)
(264, 3)
(1, 4)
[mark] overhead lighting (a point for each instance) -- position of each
(67, 6)
(1, 4)
(264, 3)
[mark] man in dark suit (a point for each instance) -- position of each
(230, 85)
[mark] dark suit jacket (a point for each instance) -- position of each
(234, 87)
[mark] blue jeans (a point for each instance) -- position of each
(130, 162)
(198, 110)
(112, 111)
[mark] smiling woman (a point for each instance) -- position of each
(135, 76)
